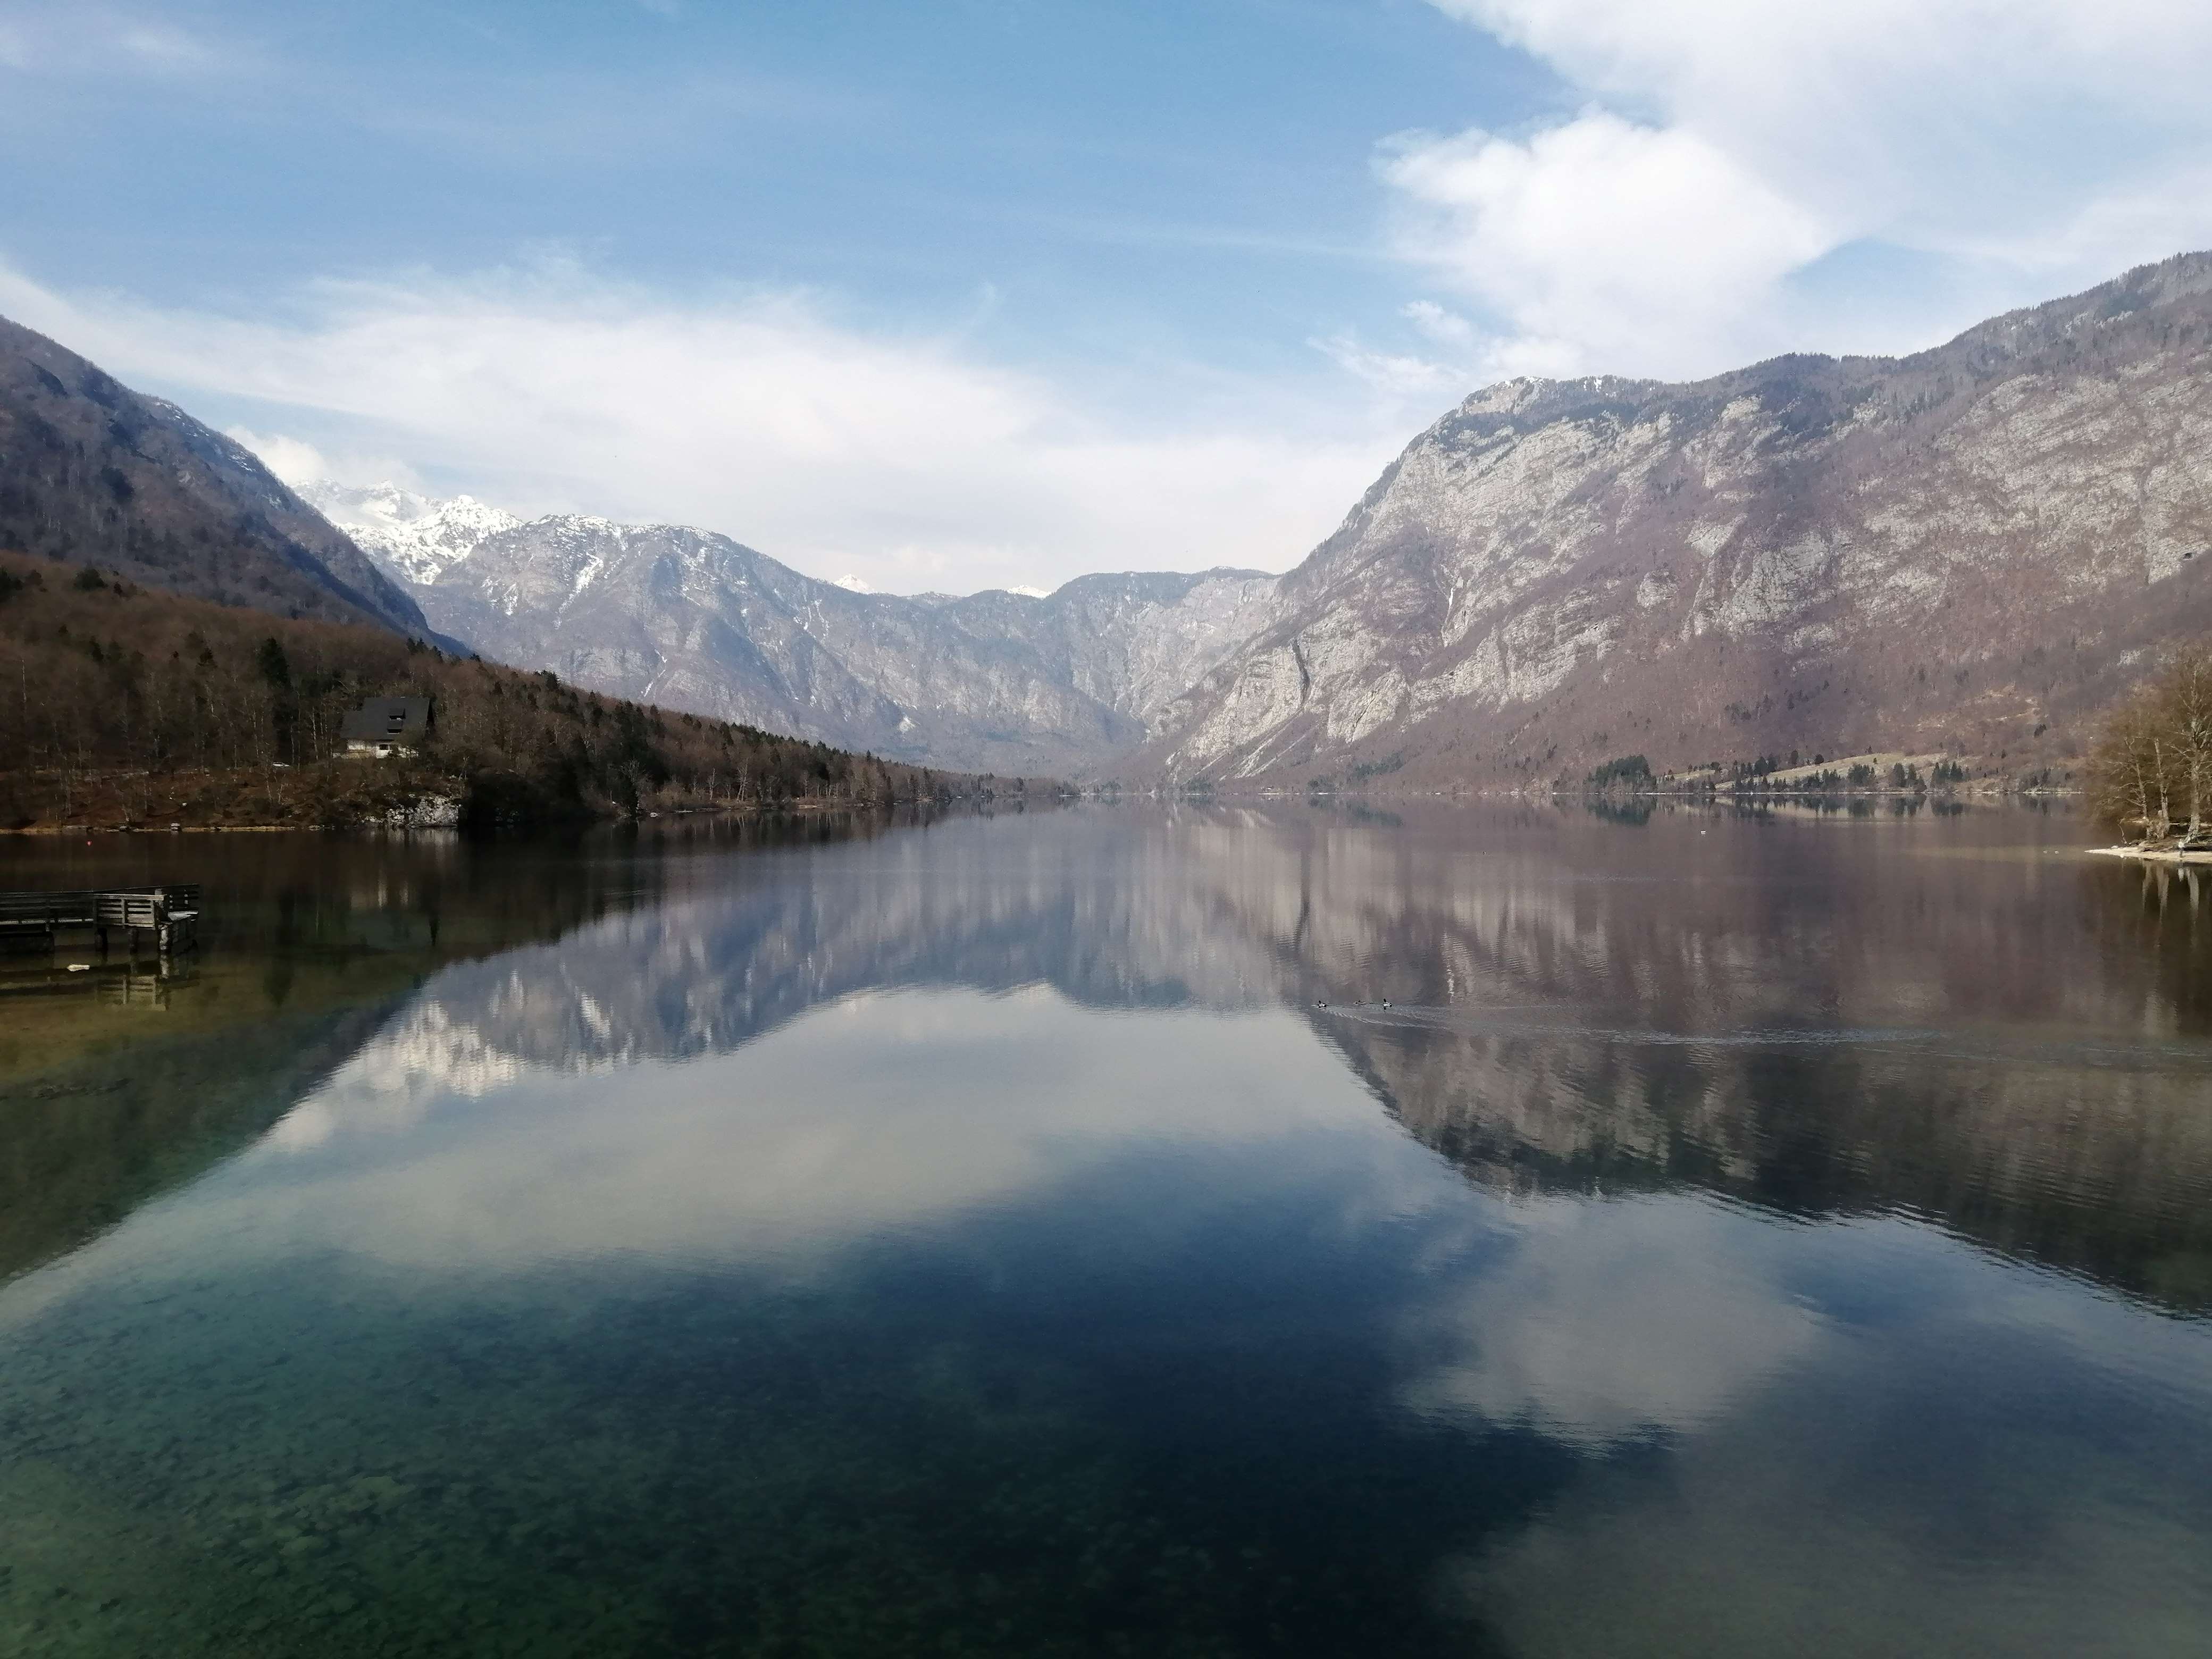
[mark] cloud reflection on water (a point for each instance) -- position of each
(1975, 1460)
(1612, 1321)
(905, 1111)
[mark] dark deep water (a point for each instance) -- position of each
(1738, 1237)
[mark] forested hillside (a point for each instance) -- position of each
(123, 703)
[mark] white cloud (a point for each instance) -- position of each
(290, 459)
(1446, 328)
(1401, 378)
(81, 39)
(1603, 239)
(296, 461)
(907, 459)
(2004, 151)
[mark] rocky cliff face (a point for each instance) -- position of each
(1133, 641)
(1978, 547)
(995, 682)
(96, 473)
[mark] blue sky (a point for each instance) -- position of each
(962, 294)
(1154, 171)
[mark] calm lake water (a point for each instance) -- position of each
(1734, 1237)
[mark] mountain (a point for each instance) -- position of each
(414, 536)
(1976, 547)
(96, 473)
(1005, 681)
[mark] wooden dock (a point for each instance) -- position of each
(168, 914)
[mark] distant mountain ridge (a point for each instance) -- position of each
(413, 536)
(96, 473)
(1008, 681)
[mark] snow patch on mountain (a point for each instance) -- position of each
(413, 536)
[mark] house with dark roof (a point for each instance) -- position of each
(383, 726)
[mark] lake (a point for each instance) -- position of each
(1121, 1229)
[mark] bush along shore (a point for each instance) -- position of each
(2151, 773)
(124, 707)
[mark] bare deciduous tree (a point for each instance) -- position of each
(2151, 774)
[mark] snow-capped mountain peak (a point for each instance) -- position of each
(413, 536)
(852, 585)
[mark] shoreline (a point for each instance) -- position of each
(748, 809)
(2149, 854)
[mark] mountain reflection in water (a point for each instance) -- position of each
(1035, 1235)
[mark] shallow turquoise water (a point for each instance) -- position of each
(1737, 1236)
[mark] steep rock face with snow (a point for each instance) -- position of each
(1980, 545)
(414, 536)
(690, 620)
